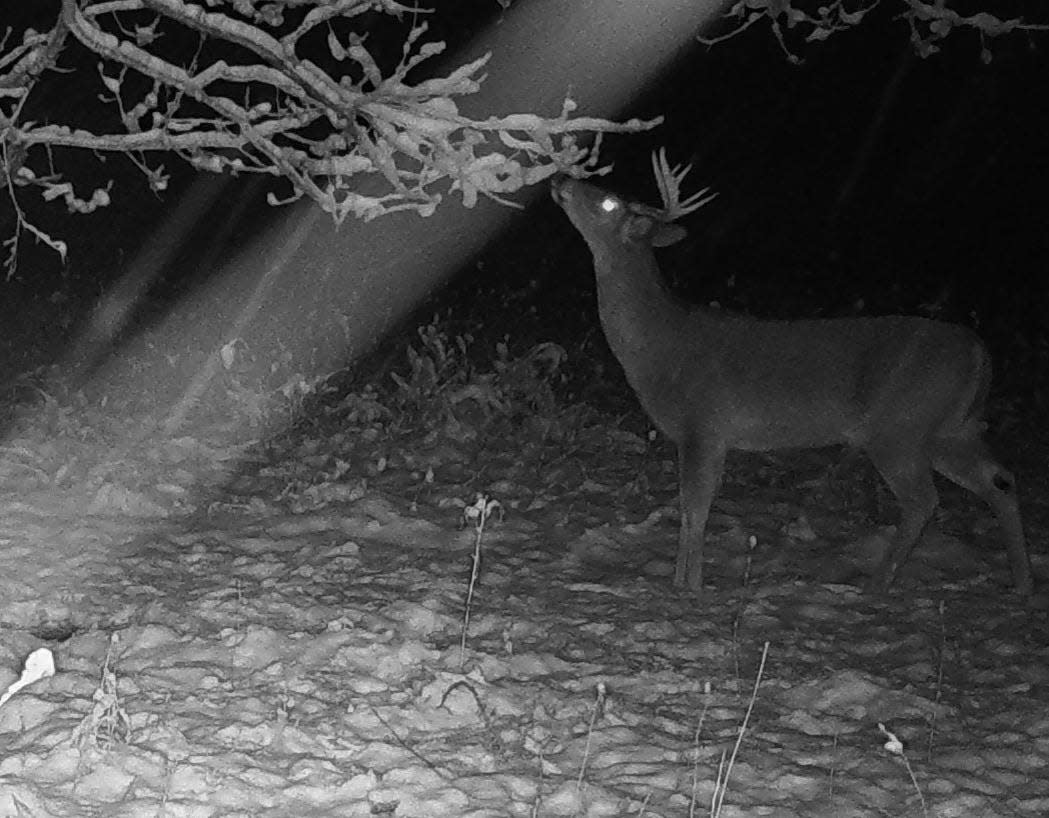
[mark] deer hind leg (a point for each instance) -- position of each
(909, 475)
(968, 462)
(700, 465)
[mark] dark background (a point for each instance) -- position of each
(864, 181)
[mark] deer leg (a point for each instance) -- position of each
(700, 465)
(968, 463)
(909, 476)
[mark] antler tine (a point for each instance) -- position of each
(669, 181)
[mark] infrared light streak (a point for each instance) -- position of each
(316, 296)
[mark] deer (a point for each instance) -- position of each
(909, 392)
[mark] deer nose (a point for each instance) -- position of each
(559, 190)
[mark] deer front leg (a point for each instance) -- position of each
(700, 465)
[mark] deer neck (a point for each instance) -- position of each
(639, 314)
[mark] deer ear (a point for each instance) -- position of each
(642, 227)
(663, 235)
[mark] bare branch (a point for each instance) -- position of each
(263, 106)
(930, 21)
(256, 97)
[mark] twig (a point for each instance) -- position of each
(694, 800)
(721, 785)
(895, 746)
(939, 682)
(477, 513)
(599, 708)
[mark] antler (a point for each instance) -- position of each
(669, 181)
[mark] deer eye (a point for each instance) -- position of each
(609, 204)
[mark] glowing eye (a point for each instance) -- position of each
(609, 204)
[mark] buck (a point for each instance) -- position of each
(907, 391)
